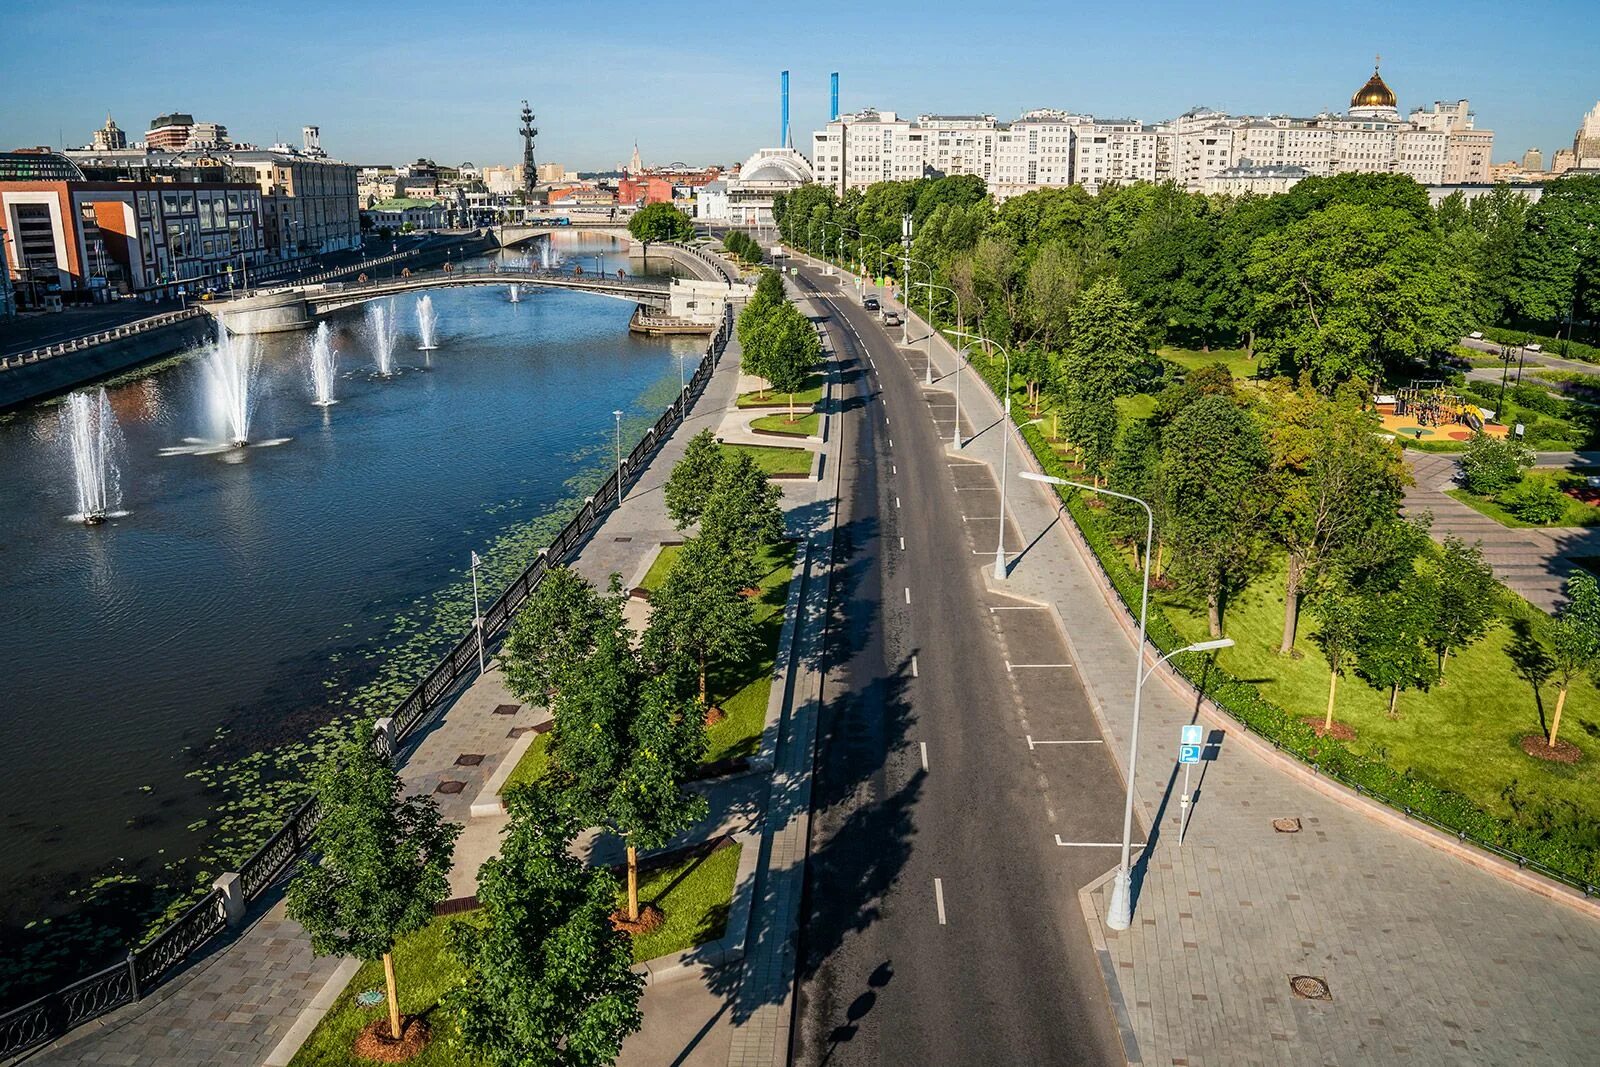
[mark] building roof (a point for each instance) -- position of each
(1375, 93)
(176, 118)
(38, 166)
(402, 203)
(782, 166)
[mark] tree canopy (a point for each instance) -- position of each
(660, 222)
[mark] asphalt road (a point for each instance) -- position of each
(941, 923)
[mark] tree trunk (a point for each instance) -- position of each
(1250, 345)
(1214, 613)
(702, 676)
(394, 996)
(1444, 654)
(791, 407)
(1333, 684)
(633, 884)
(1161, 557)
(1394, 698)
(1555, 722)
(1291, 603)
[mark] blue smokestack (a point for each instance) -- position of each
(783, 133)
(833, 104)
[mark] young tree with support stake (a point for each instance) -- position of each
(790, 351)
(1574, 640)
(1393, 653)
(701, 609)
(1466, 594)
(1342, 619)
(549, 977)
(627, 737)
(692, 479)
(555, 629)
(383, 862)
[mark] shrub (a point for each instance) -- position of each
(1536, 399)
(1536, 499)
(1492, 464)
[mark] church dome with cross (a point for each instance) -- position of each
(1374, 99)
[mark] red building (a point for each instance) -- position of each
(637, 192)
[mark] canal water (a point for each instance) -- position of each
(249, 591)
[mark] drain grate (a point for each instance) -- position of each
(518, 731)
(507, 709)
(468, 759)
(620, 540)
(450, 787)
(1309, 987)
(1286, 826)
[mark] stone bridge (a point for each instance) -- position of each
(296, 308)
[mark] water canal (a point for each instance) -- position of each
(244, 596)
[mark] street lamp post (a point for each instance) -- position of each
(1005, 439)
(618, 416)
(1121, 912)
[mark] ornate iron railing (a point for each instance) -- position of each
(54, 1014)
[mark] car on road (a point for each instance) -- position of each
(891, 318)
(870, 303)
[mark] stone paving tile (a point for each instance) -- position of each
(1430, 960)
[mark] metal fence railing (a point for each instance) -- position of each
(54, 1014)
(116, 333)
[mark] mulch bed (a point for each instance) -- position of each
(1340, 731)
(1538, 746)
(375, 1044)
(715, 715)
(649, 921)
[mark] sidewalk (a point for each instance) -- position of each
(235, 1007)
(1428, 959)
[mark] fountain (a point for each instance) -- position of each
(91, 431)
(427, 322)
(547, 254)
(324, 366)
(380, 325)
(230, 376)
(516, 293)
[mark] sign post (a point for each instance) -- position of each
(1190, 744)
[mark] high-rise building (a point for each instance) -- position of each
(109, 137)
(1467, 148)
(1533, 160)
(1586, 142)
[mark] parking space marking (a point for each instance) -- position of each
(1024, 666)
(1034, 744)
(1094, 844)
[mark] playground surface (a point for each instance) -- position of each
(1409, 425)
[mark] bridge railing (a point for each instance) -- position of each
(52, 1015)
(527, 276)
(116, 333)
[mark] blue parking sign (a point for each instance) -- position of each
(1188, 753)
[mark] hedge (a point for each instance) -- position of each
(1551, 345)
(1557, 851)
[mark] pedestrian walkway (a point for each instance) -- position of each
(235, 1007)
(1534, 563)
(1427, 958)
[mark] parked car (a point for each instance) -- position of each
(870, 303)
(891, 318)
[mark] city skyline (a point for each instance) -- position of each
(714, 103)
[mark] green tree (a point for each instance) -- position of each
(1466, 598)
(1491, 464)
(1135, 470)
(1213, 474)
(383, 862)
(626, 738)
(742, 513)
(1393, 652)
(549, 978)
(660, 222)
(1558, 257)
(1499, 219)
(554, 631)
(1342, 622)
(1332, 481)
(701, 610)
(789, 352)
(692, 479)
(1536, 499)
(1574, 640)
(1100, 363)
(1350, 289)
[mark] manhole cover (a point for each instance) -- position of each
(369, 998)
(518, 731)
(622, 539)
(507, 709)
(1286, 826)
(450, 787)
(468, 759)
(1309, 987)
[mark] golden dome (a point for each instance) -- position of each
(1373, 94)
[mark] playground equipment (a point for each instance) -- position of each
(1418, 409)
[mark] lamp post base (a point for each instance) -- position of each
(1120, 916)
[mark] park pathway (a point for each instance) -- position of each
(234, 1007)
(1428, 959)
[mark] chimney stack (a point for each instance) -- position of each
(833, 103)
(783, 133)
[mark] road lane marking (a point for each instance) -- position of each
(938, 898)
(924, 745)
(1034, 744)
(914, 665)
(1021, 607)
(1094, 844)
(893, 469)
(902, 544)
(908, 594)
(1019, 666)
(897, 502)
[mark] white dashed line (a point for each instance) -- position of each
(938, 897)
(902, 544)
(914, 666)
(1019, 666)
(897, 502)
(908, 594)
(1034, 744)
(924, 745)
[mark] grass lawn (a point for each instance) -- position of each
(1577, 514)
(694, 895)
(803, 426)
(1241, 365)
(424, 970)
(1462, 735)
(740, 689)
(775, 460)
(1138, 406)
(806, 397)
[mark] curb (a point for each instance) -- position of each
(488, 803)
(700, 960)
(306, 1022)
(1108, 970)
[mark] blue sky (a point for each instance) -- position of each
(698, 81)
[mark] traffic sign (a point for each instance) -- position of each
(1191, 735)
(1188, 753)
